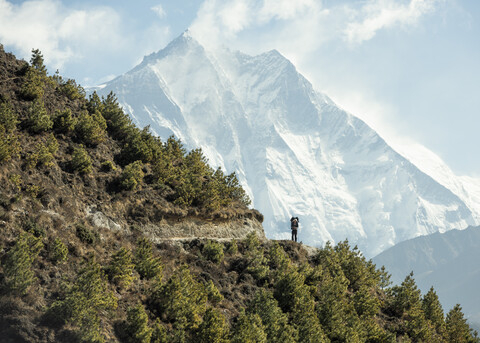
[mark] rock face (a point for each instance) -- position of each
(294, 150)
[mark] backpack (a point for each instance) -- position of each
(294, 223)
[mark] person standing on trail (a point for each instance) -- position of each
(294, 227)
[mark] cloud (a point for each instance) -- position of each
(383, 14)
(79, 38)
(61, 34)
(244, 24)
(158, 9)
(304, 24)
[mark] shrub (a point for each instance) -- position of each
(147, 265)
(16, 179)
(120, 269)
(132, 175)
(81, 161)
(52, 144)
(31, 226)
(232, 247)
(213, 251)
(17, 269)
(85, 235)
(107, 166)
(33, 190)
(43, 155)
(59, 252)
(38, 119)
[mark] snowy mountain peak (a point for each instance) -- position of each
(295, 151)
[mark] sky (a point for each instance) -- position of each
(409, 68)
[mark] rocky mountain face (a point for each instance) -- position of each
(447, 261)
(294, 150)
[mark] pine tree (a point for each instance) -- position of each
(81, 161)
(213, 251)
(137, 327)
(120, 269)
(213, 329)
(38, 119)
(274, 320)
(159, 334)
(132, 176)
(249, 329)
(8, 118)
(458, 330)
(146, 264)
(408, 305)
(59, 252)
(37, 62)
(85, 302)
(35, 77)
(213, 294)
(433, 311)
(18, 266)
(9, 146)
(95, 104)
(119, 124)
(90, 128)
(64, 122)
(182, 300)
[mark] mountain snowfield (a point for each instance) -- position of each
(294, 150)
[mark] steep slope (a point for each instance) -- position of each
(294, 150)
(448, 261)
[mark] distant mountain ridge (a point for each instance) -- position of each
(448, 261)
(295, 151)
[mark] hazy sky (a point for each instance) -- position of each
(409, 68)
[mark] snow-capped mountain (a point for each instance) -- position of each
(294, 150)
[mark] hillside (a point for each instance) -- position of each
(435, 260)
(294, 150)
(100, 226)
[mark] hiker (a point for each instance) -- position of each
(294, 227)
